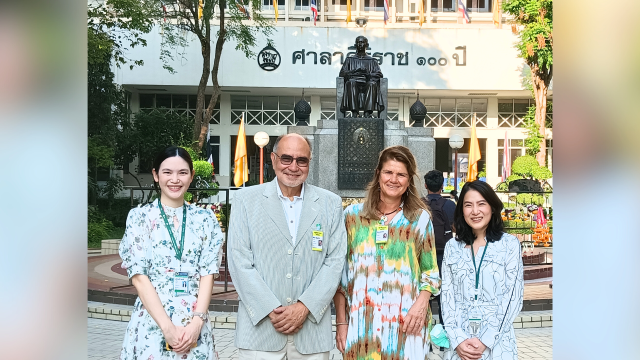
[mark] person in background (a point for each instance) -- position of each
(170, 250)
(441, 216)
(287, 243)
(482, 279)
(391, 270)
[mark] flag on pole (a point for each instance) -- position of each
(275, 9)
(386, 11)
(245, 10)
(496, 13)
(314, 10)
(474, 152)
(348, 11)
(506, 159)
(200, 8)
(463, 11)
(241, 169)
(209, 153)
(421, 12)
(164, 11)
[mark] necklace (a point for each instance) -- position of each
(384, 218)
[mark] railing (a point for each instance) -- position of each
(147, 197)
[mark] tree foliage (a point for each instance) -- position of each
(527, 167)
(152, 131)
(533, 22)
(183, 17)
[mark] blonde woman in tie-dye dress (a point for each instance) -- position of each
(382, 305)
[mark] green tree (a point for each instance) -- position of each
(534, 24)
(182, 17)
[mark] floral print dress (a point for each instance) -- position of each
(146, 249)
(382, 281)
(502, 288)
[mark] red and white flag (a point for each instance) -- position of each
(386, 11)
(463, 11)
(506, 159)
(314, 10)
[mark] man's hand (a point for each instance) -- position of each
(468, 350)
(289, 319)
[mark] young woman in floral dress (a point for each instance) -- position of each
(391, 270)
(171, 252)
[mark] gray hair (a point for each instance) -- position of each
(275, 144)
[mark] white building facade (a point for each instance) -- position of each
(456, 69)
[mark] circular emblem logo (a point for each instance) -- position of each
(269, 58)
(361, 136)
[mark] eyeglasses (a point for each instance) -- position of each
(288, 159)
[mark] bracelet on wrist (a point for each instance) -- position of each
(344, 323)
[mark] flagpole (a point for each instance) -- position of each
(243, 159)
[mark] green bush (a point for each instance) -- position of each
(98, 228)
(203, 169)
(524, 166)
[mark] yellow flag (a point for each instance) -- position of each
(200, 8)
(275, 9)
(348, 11)
(241, 170)
(421, 11)
(496, 13)
(474, 152)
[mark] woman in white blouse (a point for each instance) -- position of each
(482, 279)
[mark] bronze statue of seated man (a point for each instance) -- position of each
(362, 76)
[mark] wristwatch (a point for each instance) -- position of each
(203, 316)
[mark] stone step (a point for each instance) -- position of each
(227, 320)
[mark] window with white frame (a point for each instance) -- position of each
(179, 103)
(268, 5)
(443, 6)
(264, 110)
(393, 108)
(327, 108)
(455, 112)
(516, 149)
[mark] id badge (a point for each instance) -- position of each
(181, 283)
(316, 243)
(475, 319)
(382, 234)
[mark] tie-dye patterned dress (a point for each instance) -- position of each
(382, 281)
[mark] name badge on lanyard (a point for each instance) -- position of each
(475, 315)
(382, 234)
(317, 239)
(181, 283)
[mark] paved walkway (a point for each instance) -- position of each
(105, 341)
(102, 277)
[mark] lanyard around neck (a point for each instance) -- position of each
(173, 238)
(473, 257)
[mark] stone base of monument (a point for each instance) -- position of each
(327, 151)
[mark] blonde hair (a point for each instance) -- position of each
(413, 204)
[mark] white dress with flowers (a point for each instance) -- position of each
(146, 249)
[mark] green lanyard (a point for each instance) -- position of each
(473, 257)
(173, 238)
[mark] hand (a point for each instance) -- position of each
(341, 337)
(468, 351)
(478, 344)
(190, 336)
(289, 319)
(173, 334)
(416, 317)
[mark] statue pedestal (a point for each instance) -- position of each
(324, 141)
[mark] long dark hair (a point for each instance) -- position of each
(464, 232)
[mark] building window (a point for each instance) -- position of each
(373, 5)
(511, 112)
(268, 5)
(214, 142)
(516, 149)
(455, 112)
(328, 108)
(263, 110)
(182, 104)
(443, 6)
(302, 5)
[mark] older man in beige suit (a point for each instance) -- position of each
(287, 246)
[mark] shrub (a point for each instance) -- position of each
(524, 166)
